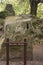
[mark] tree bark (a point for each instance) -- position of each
(33, 5)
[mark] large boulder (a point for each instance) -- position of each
(16, 27)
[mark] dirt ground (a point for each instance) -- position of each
(21, 63)
(37, 57)
(38, 52)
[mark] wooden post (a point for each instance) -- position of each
(7, 51)
(25, 51)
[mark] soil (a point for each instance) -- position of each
(38, 52)
(37, 57)
(21, 63)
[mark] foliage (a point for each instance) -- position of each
(2, 14)
(40, 10)
(22, 7)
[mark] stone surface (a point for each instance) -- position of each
(16, 28)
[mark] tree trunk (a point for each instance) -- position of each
(33, 5)
(33, 9)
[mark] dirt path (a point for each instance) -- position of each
(21, 63)
(38, 52)
(37, 55)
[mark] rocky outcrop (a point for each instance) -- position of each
(19, 27)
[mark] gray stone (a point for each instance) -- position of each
(16, 28)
